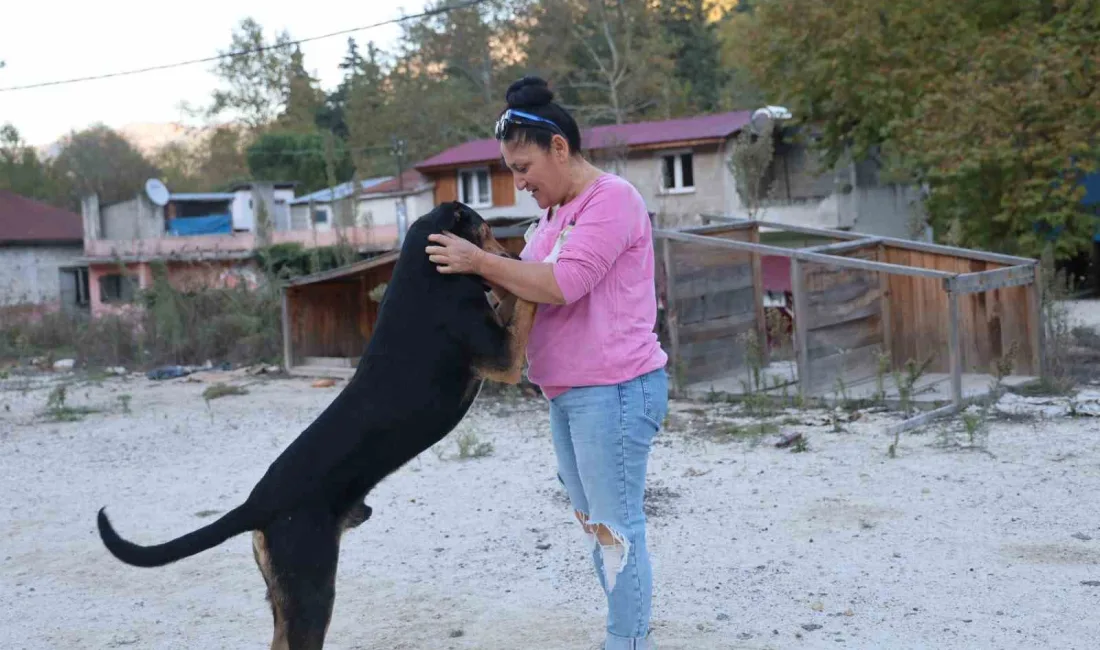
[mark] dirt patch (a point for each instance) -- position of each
(753, 547)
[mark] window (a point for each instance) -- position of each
(116, 288)
(320, 216)
(474, 188)
(678, 172)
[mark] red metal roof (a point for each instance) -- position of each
(412, 179)
(703, 127)
(27, 220)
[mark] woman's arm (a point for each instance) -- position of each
(530, 281)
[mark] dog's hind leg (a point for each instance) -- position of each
(301, 550)
(358, 513)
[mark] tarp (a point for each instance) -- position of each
(211, 224)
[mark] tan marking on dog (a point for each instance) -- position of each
(274, 595)
(520, 319)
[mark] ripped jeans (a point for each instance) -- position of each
(602, 437)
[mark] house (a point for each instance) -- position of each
(40, 248)
(397, 201)
(680, 166)
(202, 239)
(319, 209)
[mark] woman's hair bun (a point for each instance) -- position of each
(529, 92)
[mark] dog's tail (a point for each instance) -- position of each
(232, 523)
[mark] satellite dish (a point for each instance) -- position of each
(157, 192)
(762, 118)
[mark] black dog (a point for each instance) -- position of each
(436, 339)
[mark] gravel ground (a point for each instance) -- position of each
(947, 545)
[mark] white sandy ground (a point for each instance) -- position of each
(938, 548)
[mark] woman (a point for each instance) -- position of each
(592, 349)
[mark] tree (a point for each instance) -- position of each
(221, 158)
(301, 157)
(304, 100)
(23, 172)
(750, 161)
(256, 76)
(180, 167)
(603, 55)
(990, 104)
(100, 160)
(693, 38)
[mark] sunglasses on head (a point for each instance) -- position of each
(512, 117)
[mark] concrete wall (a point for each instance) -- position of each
(137, 218)
(382, 210)
(525, 206)
(243, 207)
(30, 274)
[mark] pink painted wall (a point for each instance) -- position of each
(181, 275)
(379, 237)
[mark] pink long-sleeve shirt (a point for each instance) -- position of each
(604, 334)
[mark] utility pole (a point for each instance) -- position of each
(398, 148)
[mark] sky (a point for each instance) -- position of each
(48, 40)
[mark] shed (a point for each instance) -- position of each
(875, 318)
(328, 317)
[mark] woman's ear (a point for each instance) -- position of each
(560, 148)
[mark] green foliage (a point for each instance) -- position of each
(221, 389)
(22, 172)
(696, 51)
(290, 260)
(256, 85)
(302, 157)
(98, 159)
(991, 104)
(749, 161)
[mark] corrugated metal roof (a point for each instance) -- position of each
(27, 220)
(412, 179)
(202, 196)
(341, 191)
(703, 127)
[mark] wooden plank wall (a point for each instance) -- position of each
(714, 299)
(989, 321)
(336, 318)
(843, 321)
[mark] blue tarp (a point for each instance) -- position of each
(1092, 189)
(211, 224)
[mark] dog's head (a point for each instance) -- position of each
(462, 221)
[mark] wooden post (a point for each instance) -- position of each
(288, 351)
(758, 297)
(953, 348)
(801, 327)
(1038, 334)
(671, 315)
(887, 327)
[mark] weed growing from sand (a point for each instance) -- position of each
(58, 411)
(470, 446)
(221, 389)
(124, 400)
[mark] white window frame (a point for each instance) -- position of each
(677, 171)
(472, 171)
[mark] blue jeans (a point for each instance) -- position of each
(602, 437)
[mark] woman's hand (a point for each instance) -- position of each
(454, 254)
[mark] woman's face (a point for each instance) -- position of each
(545, 174)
